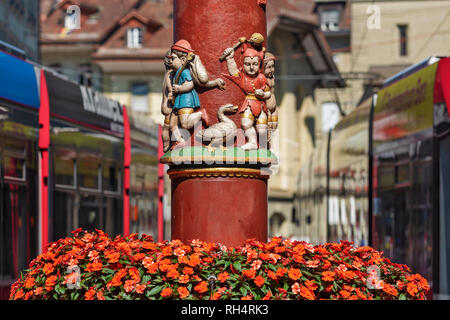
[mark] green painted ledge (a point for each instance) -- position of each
(233, 155)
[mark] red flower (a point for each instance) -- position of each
(259, 281)
(222, 277)
(89, 295)
(249, 273)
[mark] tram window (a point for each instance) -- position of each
(88, 174)
(64, 171)
(14, 167)
(111, 178)
(402, 173)
(386, 177)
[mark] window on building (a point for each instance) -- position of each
(329, 20)
(403, 33)
(139, 96)
(135, 37)
(85, 74)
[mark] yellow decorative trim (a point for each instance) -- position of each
(248, 116)
(185, 111)
(251, 97)
(261, 121)
(166, 121)
(273, 119)
(217, 172)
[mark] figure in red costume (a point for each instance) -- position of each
(254, 84)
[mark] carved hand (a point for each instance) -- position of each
(175, 89)
(229, 53)
(259, 93)
(220, 83)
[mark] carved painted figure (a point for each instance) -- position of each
(187, 72)
(254, 84)
(272, 116)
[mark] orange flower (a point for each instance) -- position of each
(216, 296)
(249, 273)
(344, 293)
(311, 285)
(294, 274)
(48, 268)
(281, 272)
(183, 278)
(295, 288)
(183, 292)
(247, 298)
(94, 266)
(328, 276)
(38, 291)
(412, 289)
(140, 288)
(267, 296)
(306, 293)
(100, 295)
(50, 282)
(222, 277)
(202, 287)
(129, 285)
(116, 281)
(19, 294)
(194, 260)
(166, 251)
(259, 281)
(149, 245)
(390, 289)
(113, 257)
(167, 292)
(89, 295)
(173, 274)
(29, 283)
(189, 271)
(272, 275)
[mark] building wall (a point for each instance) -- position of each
(428, 33)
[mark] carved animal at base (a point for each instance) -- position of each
(221, 132)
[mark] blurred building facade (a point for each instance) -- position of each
(19, 27)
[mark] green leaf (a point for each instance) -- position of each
(237, 265)
(402, 296)
(60, 289)
(155, 291)
(243, 291)
(74, 295)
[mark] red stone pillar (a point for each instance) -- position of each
(213, 201)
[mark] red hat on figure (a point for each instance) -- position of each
(182, 45)
(250, 52)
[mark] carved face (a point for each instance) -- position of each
(269, 69)
(251, 65)
(177, 61)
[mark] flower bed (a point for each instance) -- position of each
(94, 266)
